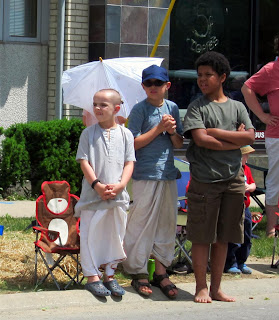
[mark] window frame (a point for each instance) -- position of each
(41, 5)
(1, 19)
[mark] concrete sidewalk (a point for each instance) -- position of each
(27, 208)
(18, 208)
(261, 295)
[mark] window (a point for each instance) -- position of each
(1, 19)
(198, 26)
(24, 20)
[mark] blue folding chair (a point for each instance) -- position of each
(182, 261)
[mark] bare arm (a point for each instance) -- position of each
(88, 171)
(253, 104)
(145, 138)
(167, 124)
(240, 137)
(250, 187)
(170, 126)
(90, 176)
(177, 141)
(126, 176)
(202, 139)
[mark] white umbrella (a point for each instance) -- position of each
(122, 74)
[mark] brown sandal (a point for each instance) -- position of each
(137, 284)
(156, 282)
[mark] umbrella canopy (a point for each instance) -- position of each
(122, 74)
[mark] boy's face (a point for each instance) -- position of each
(103, 106)
(155, 89)
(209, 81)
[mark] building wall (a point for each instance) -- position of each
(107, 29)
(23, 83)
(127, 28)
(75, 48)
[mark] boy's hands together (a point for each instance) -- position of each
(108, 191)
(115, 189)
(168, 123)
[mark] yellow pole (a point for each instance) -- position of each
(162, 28)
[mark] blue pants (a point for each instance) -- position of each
(238, 253)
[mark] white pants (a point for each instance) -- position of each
(101, 240)
(151, 225)
(272, 178)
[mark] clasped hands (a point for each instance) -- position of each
(108, 191)
(167, 124)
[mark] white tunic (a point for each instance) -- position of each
(107, 157)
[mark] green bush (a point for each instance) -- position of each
(39, 151)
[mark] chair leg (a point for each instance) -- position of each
(73, 279)
(36, 266)
(49, 271)
(181, 247)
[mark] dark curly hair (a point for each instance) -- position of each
(217, 61)
(276, 44)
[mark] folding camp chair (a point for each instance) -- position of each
(259, 191)
(182, 262)
(59, 232)
(182, 258)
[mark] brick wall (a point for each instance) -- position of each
(75, 48)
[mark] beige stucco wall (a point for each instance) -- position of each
(23, 83)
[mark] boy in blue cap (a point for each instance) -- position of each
(151, 227)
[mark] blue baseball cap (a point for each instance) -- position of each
(155, 72)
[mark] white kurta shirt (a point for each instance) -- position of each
(106, 151)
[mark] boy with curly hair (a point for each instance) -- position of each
(217, 127)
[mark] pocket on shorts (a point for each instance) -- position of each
(196, 207)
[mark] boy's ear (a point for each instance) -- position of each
(168, 85)
(223, 77)
(116, 108)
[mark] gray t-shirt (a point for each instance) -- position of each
(208, 165)
(155, 160)
(107, 158)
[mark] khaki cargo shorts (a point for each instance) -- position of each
(216, 211)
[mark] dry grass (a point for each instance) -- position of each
(17, 263)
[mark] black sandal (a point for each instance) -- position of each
(156, 282)
(137, 284)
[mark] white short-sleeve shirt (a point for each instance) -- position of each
(106, 151)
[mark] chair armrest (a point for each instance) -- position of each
(50, 234)
(252, 166)
(263, 170)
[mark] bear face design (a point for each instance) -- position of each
(55, 212)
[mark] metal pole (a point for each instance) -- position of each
(59, 58)
(162, 28)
